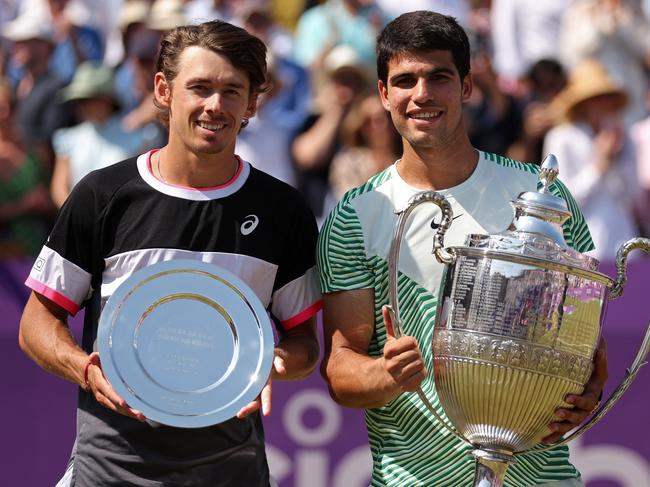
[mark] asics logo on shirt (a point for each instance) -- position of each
(250, 224)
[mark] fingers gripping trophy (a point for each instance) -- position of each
(518, 322)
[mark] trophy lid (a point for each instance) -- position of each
(536, 229)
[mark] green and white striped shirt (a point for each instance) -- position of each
(409, 446)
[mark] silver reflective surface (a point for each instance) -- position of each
(511, 340)
(186, 342)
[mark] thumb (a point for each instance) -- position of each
(279, 365)
(387, 314)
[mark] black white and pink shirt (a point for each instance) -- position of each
(122, 218)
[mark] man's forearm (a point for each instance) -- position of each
(300, 354)
(358, 381)
(45, 337)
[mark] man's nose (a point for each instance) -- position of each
(423, 91)
(214, 102)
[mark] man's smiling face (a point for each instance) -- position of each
(424, 94)
(207, 101)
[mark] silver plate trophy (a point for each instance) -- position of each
(185, 342)
(518, 322)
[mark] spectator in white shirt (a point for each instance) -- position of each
(596, 155)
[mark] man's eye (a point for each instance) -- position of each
(404, 82)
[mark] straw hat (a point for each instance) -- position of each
(91, 80)
(587, 80)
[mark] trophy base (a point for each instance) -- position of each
(491, 466)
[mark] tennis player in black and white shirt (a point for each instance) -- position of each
(195, 199)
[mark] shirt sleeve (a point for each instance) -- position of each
(576, 231)
(341, 254)
(296, 295)
(64, 268)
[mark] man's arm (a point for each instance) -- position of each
(296, 355)
(354, 378)
(298, 350)
(45, 337)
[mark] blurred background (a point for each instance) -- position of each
(568, 77)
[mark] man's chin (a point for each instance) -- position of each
(208, 150)
(423, 142)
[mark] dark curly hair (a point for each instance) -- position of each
(422, 31)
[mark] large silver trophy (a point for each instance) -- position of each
(518, 322)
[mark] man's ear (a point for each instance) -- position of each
(162, 90)
(383, 94)
(467, 87)
(251, 109)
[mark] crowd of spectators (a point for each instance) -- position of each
(569, 77)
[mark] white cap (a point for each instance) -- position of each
(166, 15)
(342, 56)
(26, 27)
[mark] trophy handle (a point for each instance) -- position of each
(443, 256)
(639, 360)
(621, 263)
(439, 251)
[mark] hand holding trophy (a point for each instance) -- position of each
(518, 323)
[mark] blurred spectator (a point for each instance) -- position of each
(135, 79)
(596, 155)
(257, 18)
(38, 114)
(287, 12)
(130, 19)
(544, 81)
(290, 102)
(8, 11)
(138, 41)
(99, 139)
(74, 43)
(197, 11)
(492, 117)
(616, 33)
(354, 23)
(166, 14)
(99, 15)
(370, 144)
(319, 139)
(524, 31)
(459, 9)
(24, 199)
(640, 133)
(283, 109)
(264, 142)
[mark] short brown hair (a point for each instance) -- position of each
(244, 51)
